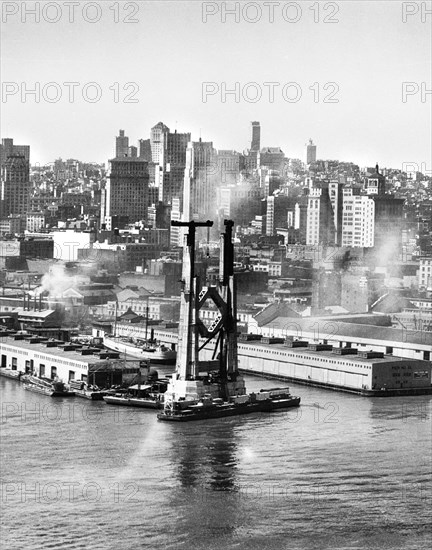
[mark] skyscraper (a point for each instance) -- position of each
(199, 196)
(256, 136)
(174, 166)
(358, 229)
(320, 226)
(158, 141)
(310, 152)
(15, 185)
(122, 145)
(126, 193)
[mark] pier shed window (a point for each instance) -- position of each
(389, 350)
(14, 363)
(53, 372)
(71, 375)
(41, 369)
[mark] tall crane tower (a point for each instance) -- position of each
(192, 379)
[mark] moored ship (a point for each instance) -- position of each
(149, 351)
(147, 396)
(87, 391)
(52, 388)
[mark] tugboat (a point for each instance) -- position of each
(212, 389)
(52, 388)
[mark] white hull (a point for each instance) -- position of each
(156, 354)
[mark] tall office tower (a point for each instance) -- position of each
(174, 166)
(376, 183)
(126, 190)
(158, 141)
(15, 185)
(336, 199)
(145, 150)
(310, 152)
(7, 149)
(256, 136)
(199, 194)
(320, 227)
(358, 225)
(122, 145)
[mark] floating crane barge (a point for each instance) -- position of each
(212, 389)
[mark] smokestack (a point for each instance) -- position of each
(40, 301)
(34, 302)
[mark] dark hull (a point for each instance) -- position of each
(228, 409)
(48, 391)
(133, 402)
(91, 395)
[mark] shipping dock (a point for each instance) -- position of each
(214, 388)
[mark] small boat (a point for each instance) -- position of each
(144, 350)
(52, 388)
(11, 373)
(87, 391)
(148, 396)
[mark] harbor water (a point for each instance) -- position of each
(340, 472)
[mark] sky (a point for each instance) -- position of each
(338, 70)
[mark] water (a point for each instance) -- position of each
(340, 472)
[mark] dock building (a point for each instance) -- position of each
(50, 358)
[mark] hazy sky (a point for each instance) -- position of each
(368, 52)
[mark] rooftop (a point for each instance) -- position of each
(90, 360)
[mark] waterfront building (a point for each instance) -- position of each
(338, 331)
(348, 365)
(346, 369)
(67, 361)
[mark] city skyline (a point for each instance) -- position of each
(361, 57)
